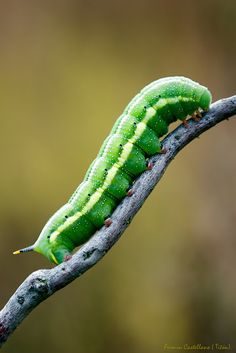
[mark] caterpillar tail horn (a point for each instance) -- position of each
(29, 248)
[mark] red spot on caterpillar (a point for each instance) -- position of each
(130, 192)
(107, 222)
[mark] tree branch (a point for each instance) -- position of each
(41, 284)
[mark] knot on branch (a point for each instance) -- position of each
(38, 284)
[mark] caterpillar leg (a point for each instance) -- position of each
(163, 150)
(130, 192)
(199, 114)
(67, 258)
(185, 122)
(59, 254)
(150, 165)
(196, 116)
(107, 222)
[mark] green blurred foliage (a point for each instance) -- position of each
(68, 68)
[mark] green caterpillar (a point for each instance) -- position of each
(122, 157)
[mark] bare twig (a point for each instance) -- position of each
(43, 283)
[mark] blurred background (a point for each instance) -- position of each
(67, 70)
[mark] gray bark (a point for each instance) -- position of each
(41, 284)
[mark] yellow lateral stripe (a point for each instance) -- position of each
(110, 176)
(54, 235)
(92, 201)
(163, 101)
